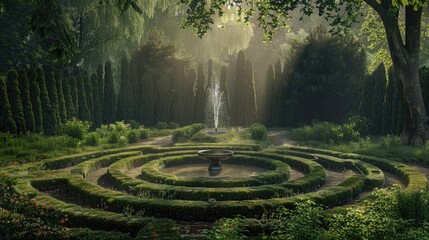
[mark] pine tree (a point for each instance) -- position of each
(7, 124)
(83, 104)
(200, 98)
(97, 109)
(89, 95)
(14, 95)
(109, 99)
(24, 85)
(124, 103)
(61, 98)
(36, 102)
(50, 125)
(51, 84)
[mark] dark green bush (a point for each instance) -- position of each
(75, 128)
(258, 131)
(144, 134)
(92, 139)
(326, 132)
(134, 136)
(159, 229)
(134, 125)
(113, 137)
(185, 133)
(85, 233)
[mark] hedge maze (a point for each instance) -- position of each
(131, 202)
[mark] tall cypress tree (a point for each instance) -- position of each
(398, 104)
(100, 75)
(379, 76)
(192, 78)
(51, 84)
(388, 108)
(124, 103)
(147, 89)
(83, 104)
(269, 97)
(250, 95)
(75, 95)
(97, 109)
(24, 85)
(7, 124)
(223, 85)
(36, 102)
(237, 114)
(14, 95)
(200, 98)
(61, 98)
(71, 111)
(209, 73)
(109, 100)
(89, 95)
(50, 125)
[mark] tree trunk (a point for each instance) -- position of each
(405, 58)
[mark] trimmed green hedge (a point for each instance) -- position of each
(151, 172)
(96, 163)
(413, 179)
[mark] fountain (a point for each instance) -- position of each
(215, 157)
(214, 106)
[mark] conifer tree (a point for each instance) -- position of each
(270, 97)
(209, 73)
(51, 84)
(83, 104)
(50, 125)
(97, 109)
(7, 124)
(237, 114)
(378, 88)
(135, 91)
(192, 78)
(200, 98)
(36, 102)
(71, 111)
(24, 85)
(14, 95)
(250, 95)
(388, 108)
(146, 100)
(100, 75)
(61, 98)
(109, 99)
(89, 95)
(75, 95)
(223, 85)
(398, 104)
(124, 103)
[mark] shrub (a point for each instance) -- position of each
(326, 132)
(258, 131)
(122, 126)
(144, 134)
(226, 229)
(134, 136)
(75, 128)
(113, 137)
(134, 125)
(185, 133)
(159, 229)
(92, 139)
(23, 218)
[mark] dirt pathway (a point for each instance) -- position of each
(280, 138)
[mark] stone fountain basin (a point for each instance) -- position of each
(216, 155)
